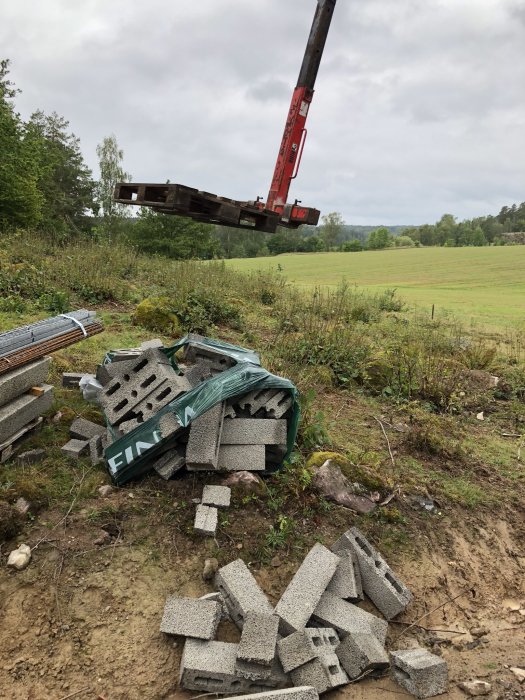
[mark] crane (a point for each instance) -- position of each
(254, 215)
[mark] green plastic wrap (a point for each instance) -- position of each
(131, 456)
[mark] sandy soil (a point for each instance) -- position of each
(86, 618)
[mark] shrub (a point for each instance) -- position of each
(157, 314)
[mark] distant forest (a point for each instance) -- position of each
(47, 188)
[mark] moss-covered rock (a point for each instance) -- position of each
(317, 459)
(157, 314)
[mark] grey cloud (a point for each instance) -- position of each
(419, 106)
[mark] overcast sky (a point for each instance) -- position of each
(419, 106)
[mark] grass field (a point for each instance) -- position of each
(483, 284)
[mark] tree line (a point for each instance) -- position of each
(47, 188)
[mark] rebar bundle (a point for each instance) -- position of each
(28, 343)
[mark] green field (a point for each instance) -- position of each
(484, 284)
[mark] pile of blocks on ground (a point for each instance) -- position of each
(317, 638)
(207, 513)
(24, 397)
(246, 433)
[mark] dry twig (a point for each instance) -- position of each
(416, 623)
(387, 441)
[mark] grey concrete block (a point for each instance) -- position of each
(149, 344)
(346, 582)
(254, 401)
(20, 411)
(31, 456)
(202, 450)
(362, 653)
(347, 618)
(126, 391)
(421, 673)
(96, 450)
(105, 373)
(217, 597)
(20, 380)
(254, 431)
(169, 426)
(165, 393)
(190, 617)
(168, 464)
(195, 353)
(71, 380)
(323, 673)
(75, 448)
(380, 584)
(241, 592)
(82, 429)
(210, 667)
(218, 496)
(200, 373)
(206, 520)
(302, 693)
(258, 638)
(306, 644)
(240, 458)
(279, 405)
(304, 591)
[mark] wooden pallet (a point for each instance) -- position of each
(198, 205)
(9, 446)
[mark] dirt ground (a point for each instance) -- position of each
(83, 620)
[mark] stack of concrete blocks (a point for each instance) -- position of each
(138, 383)
(246, 433)
(23, 399)
(87, 439)
(207, 513)
(314, 637)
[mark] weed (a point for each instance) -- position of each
(280, 532)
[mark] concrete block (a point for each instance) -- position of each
(31, 456)
(421, 673)
(255, 400)
(323, 673)
(195, 353)
(149, 344)
(82, 429)
(241, 592)
(96, 450)
(105, 373)
(71, 380)
(304, 591)
(190, 617)
(279, 405)
(380, 584)
(163, 394)
(126, 391)
(75, 448)
(210, 667)
(20, 411)
(199, 373)
(362, 653)
(347, 618)
(346, 582)
(258, 638)
(169, 426)
(217, 597)
(202, 450)
(302, 693)
(20, 380)
(218, 496)
(240, 458)
(168, 464)
(301, 647)
(206, 520)
(254, 431)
